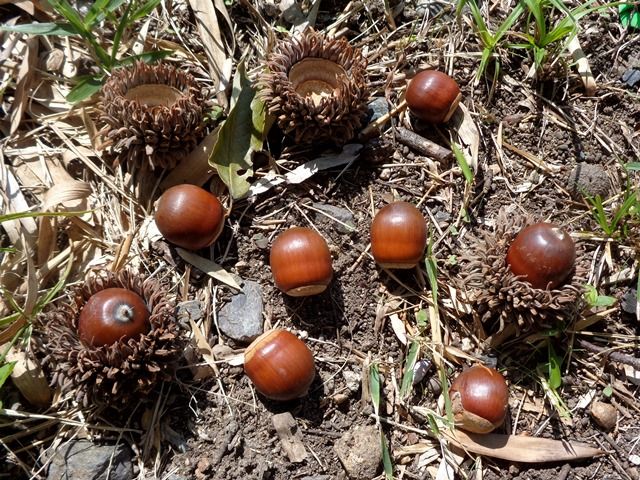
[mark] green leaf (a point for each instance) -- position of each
(407, 378)
(633, 167)
(374, 387)
(629, 15)
(240, 136)
(16, 216)
(85, 87)
(386, 457)
(594, 300)
(608, 391)
(59, 29)
(555, 375)
(5, 371)
(146, 57)
(421, 319)
(462, 162)
(145, 9)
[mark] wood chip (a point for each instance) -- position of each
(290, 436)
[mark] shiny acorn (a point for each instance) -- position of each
(279, 365)
(113, 314)
(301, 262)
(543, 254)
(398, 236)
(433, 96)
(189, 216)
(479, 399)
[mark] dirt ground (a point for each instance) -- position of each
(532, 136)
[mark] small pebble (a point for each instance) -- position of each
(241, 318)
(360, 452)
(604, 414)
(629, 301)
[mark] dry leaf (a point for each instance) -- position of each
(518, 448)
(348, 154)
(468, 135)
(582, 64)
(204, 348)
(398, 328)
(209, 267)
(23, 82)
(195, 167)
(209, 27)
(28, 377)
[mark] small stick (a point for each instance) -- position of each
(422, 145)
(615, 356)
(373, 127)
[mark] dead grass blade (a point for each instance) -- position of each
(211, 36)
(210, 268)
(519, 448)
(28, 377)
(23, 82)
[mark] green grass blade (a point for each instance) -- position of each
(16, 216)
(462, 162)
(374, 387)
(145, 9)
(555, 374)
(483, 32)
(95, 13)
(124, 21)
(407, 378)
(535, 7)
(515, 14)
(484, 62)
(59, 29)
(85, 88)
(73, 17)
(387, 463)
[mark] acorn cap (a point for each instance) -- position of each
(152, 115)
(110, 374)
(498, 297)
(316, 88)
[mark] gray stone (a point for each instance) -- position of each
(629, 301)
(241, 318)
(360, 452)
(81, 459)
(189, 310)
(631, 77)
(345, 223)
(378, 107)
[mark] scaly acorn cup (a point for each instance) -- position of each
(102, 368)
(500, 297)
(316, 88)
(152, 115)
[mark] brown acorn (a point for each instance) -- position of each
(96, 365)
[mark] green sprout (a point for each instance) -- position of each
(84, 27)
